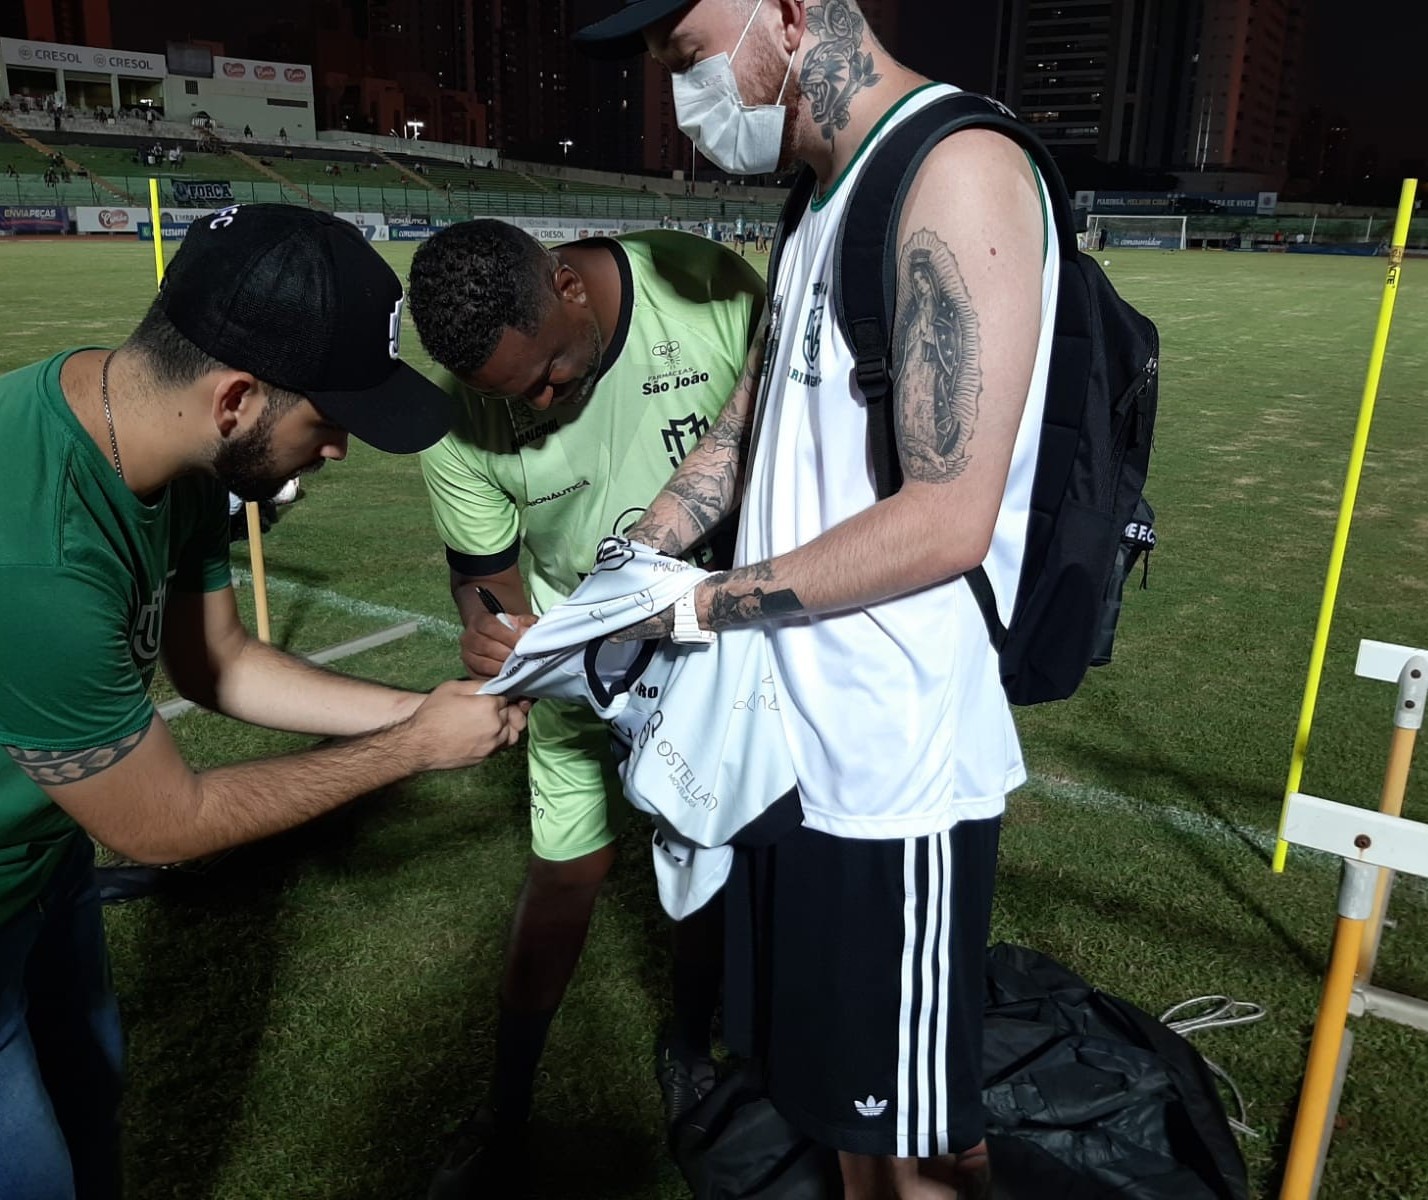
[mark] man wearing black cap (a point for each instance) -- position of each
(274, 337)
(865, 935)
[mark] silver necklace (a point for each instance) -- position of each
(108, 415)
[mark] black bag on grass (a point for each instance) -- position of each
(1086, 1095)
(1087, 1098)
(733, 1145)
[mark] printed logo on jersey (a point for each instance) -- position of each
(681, 434)
(613, 553)
(701, 555)
(559, 495)
(673, 374)
(813, 330)
(148, 628)
(812, 339)
(529, 425)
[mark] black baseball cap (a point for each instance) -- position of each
(300, 299)
(621, 35)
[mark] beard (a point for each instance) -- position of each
(586, 387)
(767, 70)
(246, 465)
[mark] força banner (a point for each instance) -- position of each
(202, 191)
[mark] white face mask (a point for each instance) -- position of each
(736, 137)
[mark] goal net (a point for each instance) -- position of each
(1139, 233)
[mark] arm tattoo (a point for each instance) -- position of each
(703, 487)
(739, 598)
(936, 361)
(49, 768)
(837, 68)
(705, 483)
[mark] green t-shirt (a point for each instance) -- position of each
(85, 567)
(553, 483)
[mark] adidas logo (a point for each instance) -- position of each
(870, 1107)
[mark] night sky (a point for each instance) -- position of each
(1355, 66)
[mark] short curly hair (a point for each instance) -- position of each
(471, 281)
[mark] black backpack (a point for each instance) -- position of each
(1100, 406)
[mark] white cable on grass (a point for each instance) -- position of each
(1220, 1012)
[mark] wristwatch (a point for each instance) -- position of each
(686, 623)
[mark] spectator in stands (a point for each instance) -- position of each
(282, 134)
(10, 172)
(149, 116)
(247, 131)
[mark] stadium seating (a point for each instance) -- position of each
(335, 176)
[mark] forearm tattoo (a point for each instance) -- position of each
(837, 68)
(740, 597)
(936, 361)
(51, 767)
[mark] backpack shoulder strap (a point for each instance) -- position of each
(865, 270)
(795, 204)
(865, 257)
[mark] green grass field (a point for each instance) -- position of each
(316, 1017)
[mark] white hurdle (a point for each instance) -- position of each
(1372, 846)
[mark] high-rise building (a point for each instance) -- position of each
(522, 67)
(1155, 83)
(1243, 108)
(76, 22)
(608, 105)
(1100, 79)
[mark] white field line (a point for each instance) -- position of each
(176, 708)
(351, 605)
(402, 622)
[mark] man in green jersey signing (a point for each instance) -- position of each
(582, 376)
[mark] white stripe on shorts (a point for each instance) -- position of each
(904, 1028)
(943, 1114)
(923, 1024)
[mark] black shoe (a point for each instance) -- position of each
(683, 1082)
(486, 1159)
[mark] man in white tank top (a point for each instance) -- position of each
(877, 909)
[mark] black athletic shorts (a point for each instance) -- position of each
(856, 970)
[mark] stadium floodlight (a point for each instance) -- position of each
(565, 144)
(414, 129)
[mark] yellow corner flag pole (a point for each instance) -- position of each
(255, 528)
(1346, 512)
(158, 232)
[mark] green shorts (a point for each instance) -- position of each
(577, 805)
